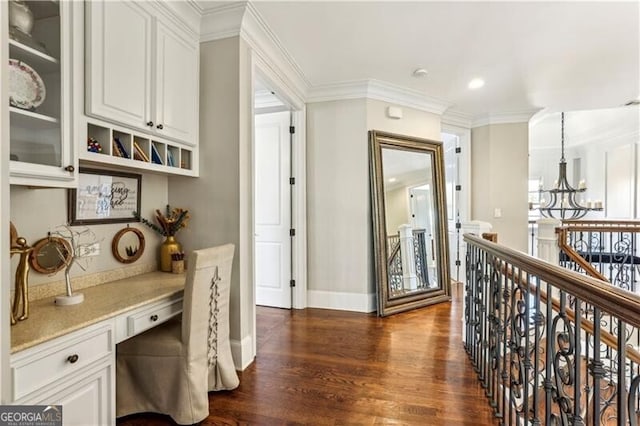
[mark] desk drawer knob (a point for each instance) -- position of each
(153, 318)
(72, 359)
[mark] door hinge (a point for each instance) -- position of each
(458, 150)
(292, 283)
(292, 181)
(458, 225)
(292, 129)
(292, 232)
(458, 187)
(458, 263)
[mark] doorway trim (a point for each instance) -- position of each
(277, 82)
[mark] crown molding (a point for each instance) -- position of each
(184, 14)
(222, 22)
(453, 117)
(272, 56)
(380, 90)
(503, 118)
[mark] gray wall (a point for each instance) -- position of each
(37, 211)
(338, 189)
(499, 176)
(220, 199)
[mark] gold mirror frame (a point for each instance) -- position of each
(115, 243)
(63, 245)
(387, 303)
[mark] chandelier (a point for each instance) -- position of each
(563, 203)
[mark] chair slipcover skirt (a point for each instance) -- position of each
(170, 368)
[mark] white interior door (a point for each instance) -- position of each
(272, 210)
(422, 207)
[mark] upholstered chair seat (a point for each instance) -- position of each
(170, 368)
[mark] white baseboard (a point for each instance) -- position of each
(242, 353)
(357, 302)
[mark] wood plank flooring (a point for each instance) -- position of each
(324, 367)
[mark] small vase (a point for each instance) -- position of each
(170, 245)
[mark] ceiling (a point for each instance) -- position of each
(534, 56)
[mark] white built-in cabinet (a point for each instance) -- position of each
(42, 136)
(75, 371)
(142, 70)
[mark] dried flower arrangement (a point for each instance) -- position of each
(170, 222)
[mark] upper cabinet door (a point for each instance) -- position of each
(40, 93)
(176, 94)
(142, 70)
(119, 42)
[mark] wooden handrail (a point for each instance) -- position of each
(619, 303)
(585, 324)
(600, 222)
(575, 256)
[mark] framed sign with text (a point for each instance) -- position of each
(104, 196)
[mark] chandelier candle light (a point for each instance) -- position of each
(563, 204)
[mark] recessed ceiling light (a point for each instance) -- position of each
(476, 83)
(391, 180)
(420, 72)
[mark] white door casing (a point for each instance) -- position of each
(272, 210)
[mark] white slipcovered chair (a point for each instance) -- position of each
(170, 368)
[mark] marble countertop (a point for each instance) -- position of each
(47, 321)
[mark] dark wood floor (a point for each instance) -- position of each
(323, 367)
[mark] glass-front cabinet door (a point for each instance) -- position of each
(40, 93)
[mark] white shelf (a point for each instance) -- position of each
(36, 59)
(32, 120)
(183, 157)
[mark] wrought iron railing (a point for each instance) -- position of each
(395, 261)
(608, 250)
(550, 346)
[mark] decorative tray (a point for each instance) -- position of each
(26, 88)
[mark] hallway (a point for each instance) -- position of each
(322, 367)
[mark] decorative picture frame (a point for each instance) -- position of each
(104, 196)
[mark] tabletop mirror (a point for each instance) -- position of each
(128, 245)
(409, 222)
(50, 255)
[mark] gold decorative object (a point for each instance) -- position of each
(168, 247)
(13, 235)
(21, 294)
(170, 223)
(50, 255)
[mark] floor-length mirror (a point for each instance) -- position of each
(409, 221)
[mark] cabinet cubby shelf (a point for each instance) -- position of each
(123, 147)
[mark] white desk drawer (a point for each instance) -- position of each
(141, 321)
(59, 358)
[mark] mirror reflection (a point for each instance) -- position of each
(50, 255)
(409, 218)
(128, 245)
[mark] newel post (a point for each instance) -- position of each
(548, 248)
(407, 255)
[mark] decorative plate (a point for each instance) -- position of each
(26, 88)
